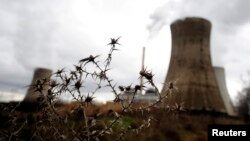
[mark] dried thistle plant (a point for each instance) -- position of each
(77, 125)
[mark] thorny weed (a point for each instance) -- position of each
(86, 127)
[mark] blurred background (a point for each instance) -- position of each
(58, 33)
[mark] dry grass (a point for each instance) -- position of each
(182, 126)
(90, 109)
(165, 125)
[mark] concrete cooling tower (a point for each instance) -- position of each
(220, 77)
(34, 99)
(191, 66)
(39, 74)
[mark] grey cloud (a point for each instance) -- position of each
(235, 12)
(225, 13)
(162, 16)
(32, 34)
(26, 34)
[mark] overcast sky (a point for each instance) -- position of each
(57, 33)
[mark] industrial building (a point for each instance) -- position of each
(191, 65)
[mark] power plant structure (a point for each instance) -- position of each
(150, 96)
(191, 65)
(39, 74)
(200, 86)
(33, 97)
(221, 80)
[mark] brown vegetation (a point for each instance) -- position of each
(164, 124)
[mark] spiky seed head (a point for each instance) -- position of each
(78, 84)
(121, 88)
(89, 99)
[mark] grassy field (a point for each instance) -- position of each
(185, 126)
(164, 125)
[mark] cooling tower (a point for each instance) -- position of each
(190, 64)
(33, 95)
(220, 77)
(34, 100)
